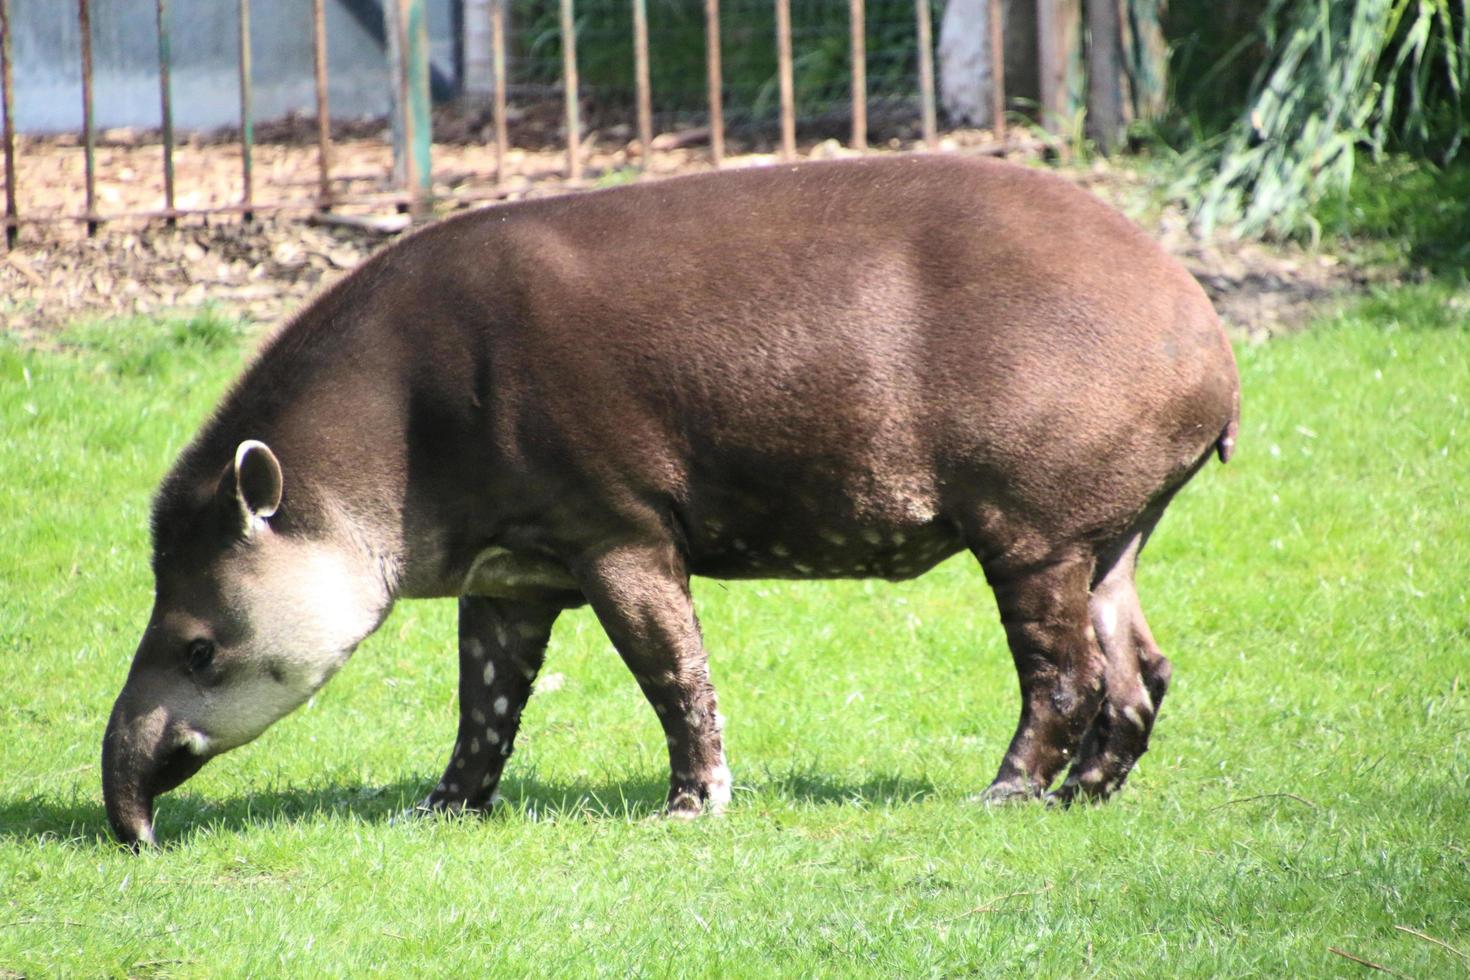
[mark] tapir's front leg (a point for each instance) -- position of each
(641, 595)
(501, 647)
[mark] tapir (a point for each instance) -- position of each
(830, 370)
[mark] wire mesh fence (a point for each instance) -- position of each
(821, 62)
(824, 67)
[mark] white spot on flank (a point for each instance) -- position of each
(197, 742)
(872, 537)
(453, 787)
(501, 705)
(501, 639)
(780, 551)
(528, 631)
(492, 736)
(489, 673)
(477, 716)
(803, 569)
(458, 763)
(474, 746)
(738, 545)
(474, 648)
(486, 783)
(832, 537)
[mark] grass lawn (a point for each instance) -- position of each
(1308, 789)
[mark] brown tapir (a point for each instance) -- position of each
(834, 370)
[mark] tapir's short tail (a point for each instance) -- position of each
(1225, 445)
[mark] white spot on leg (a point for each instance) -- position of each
(489, 673)
(501, 706)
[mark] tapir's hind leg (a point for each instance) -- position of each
(641, 596)
(501, 647)
(1045, 613)
(1136, 678)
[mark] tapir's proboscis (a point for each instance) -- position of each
(832, 370)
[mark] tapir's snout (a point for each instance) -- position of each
(144, 754)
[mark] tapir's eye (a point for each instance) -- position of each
(201, 654)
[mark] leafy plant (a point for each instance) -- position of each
(1338, 77)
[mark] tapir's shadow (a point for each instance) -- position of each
(82, 823)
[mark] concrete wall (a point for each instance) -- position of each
(205, 73)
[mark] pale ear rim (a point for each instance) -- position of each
(258, 482)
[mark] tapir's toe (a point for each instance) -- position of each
(1008, 792)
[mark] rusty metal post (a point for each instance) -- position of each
(413, 133)
(323, 111)
(926, 73)
(997, 71)
(247, 118)
(166, 107)
(89, 131)
(716, 81)
(788, 88)
(7, 102)
(859, 75)
(569, 85)
(1106, 116)
(497, 55)
(640, 79)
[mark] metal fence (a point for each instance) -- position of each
(883, 61)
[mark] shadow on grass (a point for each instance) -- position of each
(83, 823)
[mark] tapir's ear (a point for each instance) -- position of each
(257, 482)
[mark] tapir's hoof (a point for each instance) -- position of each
(1008, 793)
(435, 805)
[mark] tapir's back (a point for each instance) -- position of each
(875, 335)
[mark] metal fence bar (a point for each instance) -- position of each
(640, 72)
(323, 111)
(783, 69)
(716, 81)
(7, 101)
(926, 72)
(997, 72)
(497, 55)
(247, 117)
(569, 85)
(859, 54)
(89, 132)
(166, 107)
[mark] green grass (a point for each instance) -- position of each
(1307, 787)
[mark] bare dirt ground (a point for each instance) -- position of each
(266, 268)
